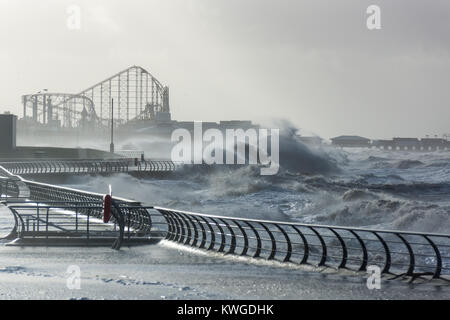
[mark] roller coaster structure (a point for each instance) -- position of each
(137, 96)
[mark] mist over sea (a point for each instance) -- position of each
(351, 187)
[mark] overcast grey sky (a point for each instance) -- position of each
(312, 62)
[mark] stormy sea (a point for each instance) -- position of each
(323, 185)
(328, 186)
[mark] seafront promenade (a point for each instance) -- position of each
(48, 218)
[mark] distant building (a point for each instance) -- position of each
(406, 144)
(399, 144)
(383, 144)
(434, 144)
(7, 132)
(311, 141)
(351, 142)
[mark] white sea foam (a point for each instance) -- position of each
(353, 187)
(406, 197)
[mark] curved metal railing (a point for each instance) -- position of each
(399, 253)
(12, 186)
(67, 166)
(45, 222)
(134, 216)
(157, 165)
(8, 188)
(88, 166)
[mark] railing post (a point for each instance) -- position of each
(179, 228)
(195, 239)
(222, 235)
(202, 244)
(46, 224)
(305, 245)
(272, 239)
(387, 264)
(244, 235)
(76, 219)
(344, 248)
(233, 237)
(288, 243)
(364, 262)
(258, 240)
(412, 262)
(438, 270)
(212, 234)
(171, 225)
(188, 229)
(324, 247)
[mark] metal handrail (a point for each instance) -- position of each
(132, 213)
(88, 166)
(29, 222)
(400, 253)
(9, 188)
(304, 224)
(158, 165)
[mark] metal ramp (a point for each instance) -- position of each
(74, 224)
(51, 215)
(52, 224)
